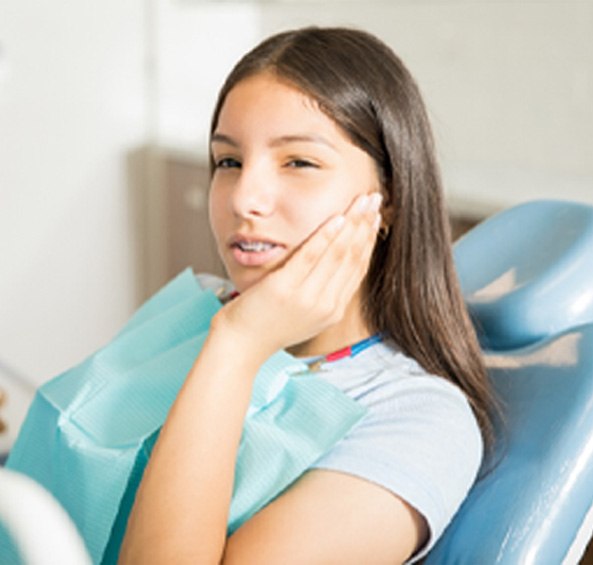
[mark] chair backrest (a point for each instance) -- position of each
(527, 275)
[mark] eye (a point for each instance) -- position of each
(228, 163)
(301, 164)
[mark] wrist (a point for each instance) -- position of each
(237, 341)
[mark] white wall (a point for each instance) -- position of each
(196, 43)
(71, 103)
(509, 86)
(81, 85)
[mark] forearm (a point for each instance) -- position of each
(181, 509)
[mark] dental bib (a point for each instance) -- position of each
(90, 431)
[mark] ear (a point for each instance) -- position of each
(387, 212)
(387, 209)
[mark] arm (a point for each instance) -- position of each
(329, 517)
(181, 508)
(188, 482)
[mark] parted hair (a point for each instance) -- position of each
(411, 292)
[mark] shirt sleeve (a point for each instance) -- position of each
(421, 441)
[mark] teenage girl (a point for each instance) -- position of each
(327, 209)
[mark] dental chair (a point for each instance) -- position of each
(527, 276)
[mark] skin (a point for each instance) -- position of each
(280, 183)
(285, 174)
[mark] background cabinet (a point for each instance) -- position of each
(169, 193)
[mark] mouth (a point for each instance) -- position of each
(254, 252)
(253, 246)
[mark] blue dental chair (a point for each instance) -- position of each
(527, 276)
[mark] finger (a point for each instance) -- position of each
(349, 273)
(344, 258)
(304, 260)
(344, 262)
(310, 272)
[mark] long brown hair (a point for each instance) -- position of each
(411, 291)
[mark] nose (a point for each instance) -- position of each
(254, 193)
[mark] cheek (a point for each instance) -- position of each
(309, 211)
(216, 211)
(339, 194)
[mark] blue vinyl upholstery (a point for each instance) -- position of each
(527, 275)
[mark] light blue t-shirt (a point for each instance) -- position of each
(420, 439)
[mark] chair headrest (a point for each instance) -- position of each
(527, 272)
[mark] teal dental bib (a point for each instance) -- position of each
(90, 431)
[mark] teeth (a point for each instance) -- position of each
(254, 246)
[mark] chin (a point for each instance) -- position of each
(243, 281)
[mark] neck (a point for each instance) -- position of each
(350, 329)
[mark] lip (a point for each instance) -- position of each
(254, 258)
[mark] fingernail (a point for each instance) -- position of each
(335, 224)
(375, 200)
(362, 203)
(377, 222)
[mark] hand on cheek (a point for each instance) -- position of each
(313, 288)
(342, 265)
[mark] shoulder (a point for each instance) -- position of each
(393, 386)
(420, 438)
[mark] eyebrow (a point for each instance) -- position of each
(221, 138)
(278, 141)
(301, 138)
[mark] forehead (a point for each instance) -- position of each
(264, 103)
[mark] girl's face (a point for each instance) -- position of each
(283, 168)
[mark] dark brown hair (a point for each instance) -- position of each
(411, 291)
